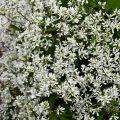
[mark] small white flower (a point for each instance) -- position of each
(60, 110)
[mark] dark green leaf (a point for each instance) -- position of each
(15, 28)
(52, 100)
(53, 117)
(51, 29)
(66, 115)
(100, 117)
(65, 3)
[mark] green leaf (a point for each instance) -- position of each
(53, 116)
(15, 28)
(114, 103)
(65, 3)
(52, 100)
(92, 3)
(100, 117)
(112, 5)
(52, 29)
(66, 115)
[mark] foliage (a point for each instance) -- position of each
(60, 60)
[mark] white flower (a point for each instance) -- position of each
(78, 62)
(60, 110)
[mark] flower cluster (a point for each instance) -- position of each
(60, 58)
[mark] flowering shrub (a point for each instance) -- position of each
(60, 61)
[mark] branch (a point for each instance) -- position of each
(23, 16)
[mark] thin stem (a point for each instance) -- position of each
(23, 16)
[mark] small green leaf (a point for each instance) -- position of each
(52, 29)
(66, 115)
(100, 117)
(15, 28)
(52, 100)
(53, 117)
(65, 3)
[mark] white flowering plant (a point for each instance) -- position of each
(59, 60)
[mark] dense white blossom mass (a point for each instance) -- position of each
(52, 52)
